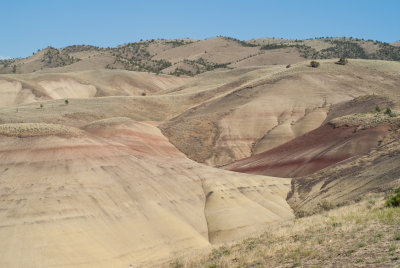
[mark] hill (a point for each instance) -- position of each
(192, 57)
(274, 107)
(117, 192)
(40, 86)
(349, 180)
(396, 44)
(330, 143)
(109, 156)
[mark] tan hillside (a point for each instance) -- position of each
(334, 47)
(40, 86)
(339, 139)
(313, 151)
(396, 44)
(217, 49)
(277, 106)
(192, 57)
(47, 58)
(348, 180)
(120, 194)
(274, 57)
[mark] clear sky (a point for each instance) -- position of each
(27, 26)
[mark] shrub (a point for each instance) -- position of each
(314, 64)
(342, 61)
(394, 201)
(273, 46)
(325, 205)
(143, 93)
(389, 112)
(41, 106)
(288, 66)
(377, 109)
(66, 101)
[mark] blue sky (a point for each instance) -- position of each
(31, 25)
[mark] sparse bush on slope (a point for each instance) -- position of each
(242, 43)
(389, 112)
(387, 52)
(80, 48)
(314, 64)
(394, 200)
(343, 48)
(342, 61)
(54, 58)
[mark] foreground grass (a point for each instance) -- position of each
(362, 234)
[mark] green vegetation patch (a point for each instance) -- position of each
(394, 200)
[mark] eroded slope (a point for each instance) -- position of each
(334, 141)
(35, 87)
(350, 179)
(119, 194)
(276, 107)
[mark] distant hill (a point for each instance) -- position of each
(191, 57)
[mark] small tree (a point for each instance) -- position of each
(14, 69)
(314, 64)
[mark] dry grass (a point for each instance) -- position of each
(358, 235)
(367, 120)
(24, 130)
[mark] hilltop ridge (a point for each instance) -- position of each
(192, 57)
